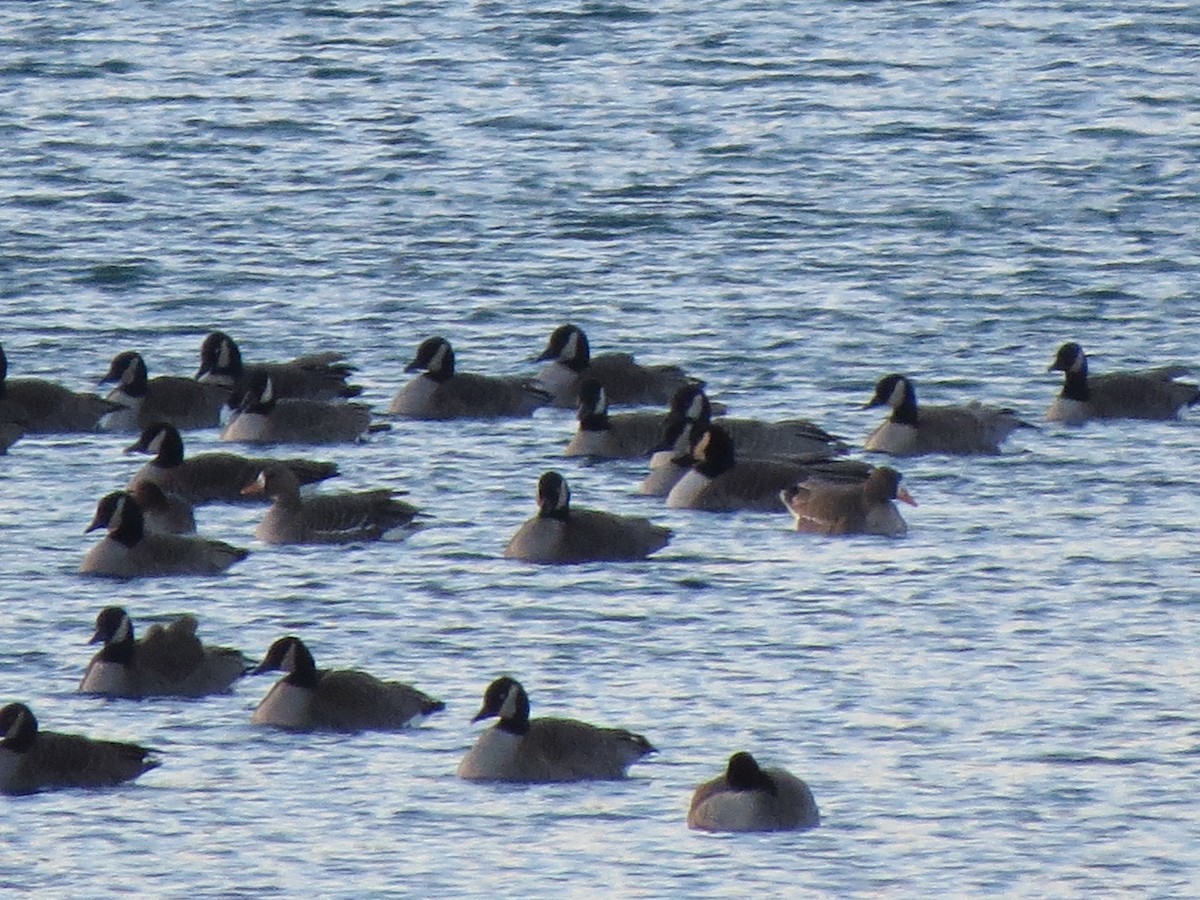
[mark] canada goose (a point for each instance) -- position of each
(164, 662)
(318, 376)
(442, 393)
(162, 511)
(263, 418)
(44, 407)
(625, 381)
(183, 402)
(33, 760)
(630, 435)
(867, 508)
(309, 699)
(1150, 394)
(747, 798)
(973, 428)
(209, 477)
(562, 534)
(129, 550)
(719, 481)
(521, 749)
(336, 518)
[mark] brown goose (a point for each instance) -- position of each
(309, 699)
(33, 760)
(183, 402)
(44, 407)
(521, 749)
(319, 376)
(164, 662)
(867, 508)
(747, 798)
(263, 418)
(630, 435)
(441, 392)
(336, 518)
(1151, 394)
(562, 534)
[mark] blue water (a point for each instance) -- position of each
(789, 200)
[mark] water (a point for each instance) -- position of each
(790, 202)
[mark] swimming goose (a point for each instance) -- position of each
(309, 699)
(719, 481)
(33, 760)
(521, 749)
(630, 435)
(562, 534)
(625, 381)
(209, 477)
(164, 662)
(867, 508)
(336, 518)
(440, 392)
(747, 798)
(163, 512)
(264, 418)
(1150, 394)
(318, 376)
(130, 550)
(183, 402)
(44, 407)
(973, 428)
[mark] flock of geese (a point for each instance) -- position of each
(697, 459)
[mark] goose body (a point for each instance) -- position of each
(747, 798)
(319, 376)
(44, 407)
(312, 699)
(1152, 394)
(209, 477)
(560, 533)
(335, 518)
(263, 418)
(631, 435)
(909, 431)
(142, 400)
(166, 661)
(32, 760)
(130, 550)
(867, 508)
(441, 392)
(570, 361)
(520, 749)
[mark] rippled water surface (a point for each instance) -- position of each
(790, 200)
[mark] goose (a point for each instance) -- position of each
(264, 418)
(209, 477)
(626, 381)
(11, 430)
(520, 749)
(440, 392)
(630, 435)
(164, 662)
(309, 699)
(1149, 394)
(337, 518)
(163, 512)
(562, 534)
(318, 376)
(973, 428)
(44, 407)
(183, 402)
(33, 760)
(721, 482)
(747, 798)
(867, 508)
(129, 550)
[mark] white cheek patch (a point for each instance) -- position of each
(695, 408)
(288, 663)
(225, 355)
(564, 496)
(601, 401)
(156, 444)
(438, 363)
(899, 394)
(570, 349)
(508, 709)
(129, 372)
(123, 630)
(701, 448)
(114, 521)
(268, 392)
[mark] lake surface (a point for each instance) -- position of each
(790, 200)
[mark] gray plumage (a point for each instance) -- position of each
(631, 435)
(310, 699)
(317, 376)
(130, 550)
(44, 407)
(1151, 394)
(263, 418)
(560, 533)
(334, 518)
(32, 760)
(183, 402)
(747, 798)
(166, 661)
(441, 392)
(910, 431)
(868, 508)
(520, 749)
